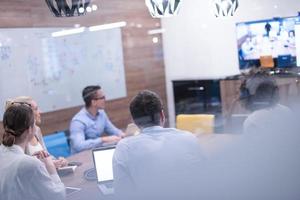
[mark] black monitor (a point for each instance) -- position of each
(197, 96)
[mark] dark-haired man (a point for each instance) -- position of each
(90, 127)
(159, 162)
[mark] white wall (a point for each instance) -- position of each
(197, 45)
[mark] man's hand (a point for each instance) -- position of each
(111, 139)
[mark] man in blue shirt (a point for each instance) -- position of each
(90, 127)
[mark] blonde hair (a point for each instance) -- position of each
(20, 99)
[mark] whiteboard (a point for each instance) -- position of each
(54, 70)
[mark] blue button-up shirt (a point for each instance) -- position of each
(86, 130)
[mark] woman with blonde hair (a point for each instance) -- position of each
(23, 176)
(36, 144)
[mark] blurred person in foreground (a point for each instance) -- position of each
(259, 94)
(263, 163)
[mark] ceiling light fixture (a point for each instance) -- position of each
(68, 32)
(94, 7)
(88, 9)
(107, 26)
(156, 31)
(163, 8)
(64, 8)
(225, 8)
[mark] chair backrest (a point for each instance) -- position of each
(196, 123)
(266, 61)
(57, 144)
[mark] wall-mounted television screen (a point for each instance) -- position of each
(277, 38)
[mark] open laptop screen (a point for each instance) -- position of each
(103, 163)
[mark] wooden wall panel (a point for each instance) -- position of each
(143, 60)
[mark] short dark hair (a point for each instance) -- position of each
(145, 109)
(89, 93)
(16, 120)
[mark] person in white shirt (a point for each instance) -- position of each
(262, 163)
(36, 144)
(23, 176)
(159, 163)
(259, 94)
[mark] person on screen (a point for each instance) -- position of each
(158, 160)
(248, 47)
(291, 39)
(23, 176)
(268, 28)
(91, 127)
(36, 144)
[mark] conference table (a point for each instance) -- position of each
(89, 189)
(210, 144)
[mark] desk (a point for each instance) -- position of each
(89, 189)
(210, 144)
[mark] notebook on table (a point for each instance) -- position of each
(103, 165)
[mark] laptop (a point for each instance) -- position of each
(103, 165)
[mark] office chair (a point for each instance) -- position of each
(196, 123)
(284, 61)
(57, 144)
(266, 61)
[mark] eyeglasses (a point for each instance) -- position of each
(97, 98)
